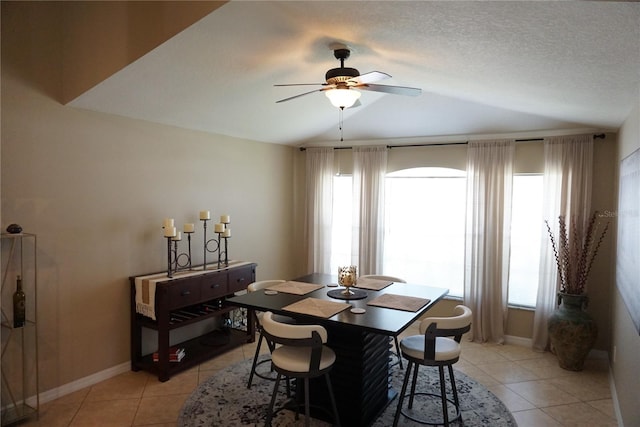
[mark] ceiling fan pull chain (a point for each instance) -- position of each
(341, 121)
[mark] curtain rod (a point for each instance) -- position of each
(596, 136)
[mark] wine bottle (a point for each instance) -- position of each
(19, 299)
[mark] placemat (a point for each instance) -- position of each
(399, 302)
(296, 288)
(372, 284)
(317, 307)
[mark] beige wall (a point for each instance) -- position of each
(95, 189)
(625, 338)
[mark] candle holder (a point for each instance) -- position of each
(177, 261)
(169, 252)
(185, 264)
(226, 233)
(206, 248)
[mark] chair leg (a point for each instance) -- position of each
(402, 393)
(443, 395)
(455, 391)
(395, 339)
(255, 359)
(307, 412)
(273, 401)
(333, 400)
(413, 385)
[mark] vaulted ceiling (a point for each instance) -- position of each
(484, 68)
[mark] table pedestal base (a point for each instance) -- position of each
(360, 377)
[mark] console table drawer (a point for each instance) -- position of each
(239, 279)
(184, 292)
(214, 286)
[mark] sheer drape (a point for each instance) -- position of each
(319, 208)
(568, 164)
(369, 170)
(489, 186)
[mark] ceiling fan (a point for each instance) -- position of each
(342, 83)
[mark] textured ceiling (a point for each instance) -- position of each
(484, 68)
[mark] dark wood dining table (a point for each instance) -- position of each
(360, 376)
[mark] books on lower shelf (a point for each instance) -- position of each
(176, 354)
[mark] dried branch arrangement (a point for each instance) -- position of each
(574, 250)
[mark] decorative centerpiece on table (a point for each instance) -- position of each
(347, 277)
(572, 331)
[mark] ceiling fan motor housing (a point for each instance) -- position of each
(338, 76)
(342, 74)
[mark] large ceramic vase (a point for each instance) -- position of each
(572, 331)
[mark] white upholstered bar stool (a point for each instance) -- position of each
(438, 345)
(391, 279)
(253, 287)
(301, 354)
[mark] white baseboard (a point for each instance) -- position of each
(71, 387)
(614, 398)
(512, 339)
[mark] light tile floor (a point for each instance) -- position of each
(530, 384)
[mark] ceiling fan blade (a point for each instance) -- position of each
(370, 77)
(303, 94)
(395, 90)
(303, 84)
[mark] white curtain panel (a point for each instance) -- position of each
(319, 209)
(489, 187)
(568, 170)
(369, 170)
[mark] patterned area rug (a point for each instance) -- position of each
(224, 401)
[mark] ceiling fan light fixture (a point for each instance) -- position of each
(343, 98)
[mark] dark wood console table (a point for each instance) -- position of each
(187, 298)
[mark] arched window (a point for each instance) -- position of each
(425, 229)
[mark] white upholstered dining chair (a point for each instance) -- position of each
(300, 354)
(437, 345)
(253, 287)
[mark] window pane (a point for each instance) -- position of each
(341, 228)
(424, 222)
(526, 223)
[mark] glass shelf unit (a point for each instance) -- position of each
(20, 393)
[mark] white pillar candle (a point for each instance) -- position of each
(219, 228)
(225, 219)
(189, 227)
(177, 237)
(168, 222)
(226, 233)
(169, 231)
(205, 215)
